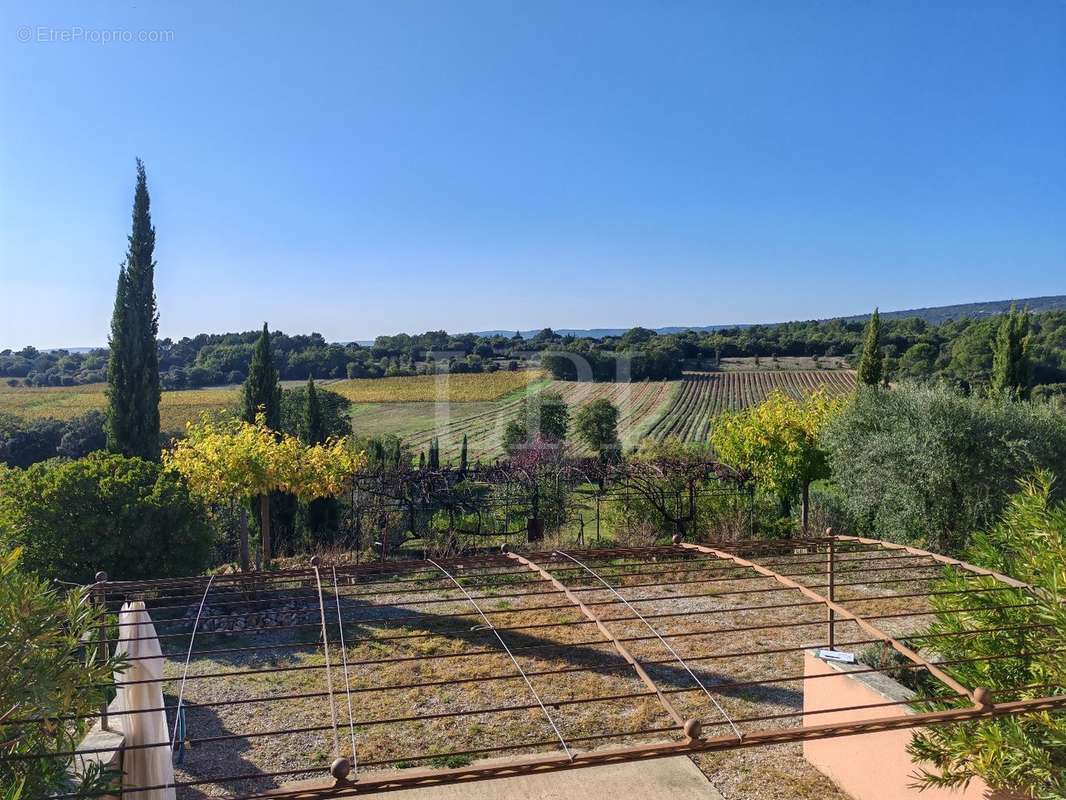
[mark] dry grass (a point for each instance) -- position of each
(64, 402)
(778, 772)
(180, 406)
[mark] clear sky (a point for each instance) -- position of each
(360, 168)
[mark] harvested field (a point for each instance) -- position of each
(64, 402)
(179, 406)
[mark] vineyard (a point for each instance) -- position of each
(479, 405)
(706, 394)
(638, 404)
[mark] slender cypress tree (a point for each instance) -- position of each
(261, 391)
(320, 514)
(462, 457)
(314, 429)
(871, 364)
(1011, 369)
(133, 366)
(422, 460)
(117, 425)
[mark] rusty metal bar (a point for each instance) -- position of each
(952, 562)
(505, 709)
(665, 643)
(717, 578)
(896, 645)
(831, 594)
(610, 637)
(698, 595)
(406, 779)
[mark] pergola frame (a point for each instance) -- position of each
(549, 581)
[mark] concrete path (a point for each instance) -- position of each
(662, 779)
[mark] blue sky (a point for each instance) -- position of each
(363, 168)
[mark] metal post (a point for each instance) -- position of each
(101, 597)
(831, 574)
(597, 518)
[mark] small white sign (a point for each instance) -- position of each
(836, 655)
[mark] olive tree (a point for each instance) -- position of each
(927, 465)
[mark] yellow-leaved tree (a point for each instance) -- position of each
(777, 441)
(227, 459)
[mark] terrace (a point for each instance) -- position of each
(337, 680)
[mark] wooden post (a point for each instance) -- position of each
(831, 575)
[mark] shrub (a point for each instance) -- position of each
(126, 516)
(927, 465)
(24, 442)
(335, 409)
(45, 673)
(1024, 754)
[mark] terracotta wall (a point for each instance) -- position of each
(870, 766)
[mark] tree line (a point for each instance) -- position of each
(957, 349)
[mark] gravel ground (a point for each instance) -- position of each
(292, 662)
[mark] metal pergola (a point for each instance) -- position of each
(394, 675)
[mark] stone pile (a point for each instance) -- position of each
(234, 619)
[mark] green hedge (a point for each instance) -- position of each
(126, 516)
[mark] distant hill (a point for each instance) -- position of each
(932, 314)
(938, 314)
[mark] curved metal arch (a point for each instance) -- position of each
(623, 651)
(185, 670)
(661, 638)
(974, 694)
(951, 562)
(514, 660)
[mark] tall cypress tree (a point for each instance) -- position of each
(314, 428)
(320, 514)
(261, 391)
(133, 366)
(1011, 369)
(463, 457)
(871, 364)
